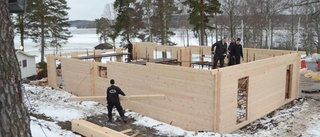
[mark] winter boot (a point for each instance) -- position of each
(123, 119)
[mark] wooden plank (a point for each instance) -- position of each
(102, 99)
(126, 131)
(135, 134)
(89, 129)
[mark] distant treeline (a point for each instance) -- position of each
(281, 21)
(82, 23)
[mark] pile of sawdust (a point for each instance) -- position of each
(310, 74)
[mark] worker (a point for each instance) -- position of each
(129, 47)
(231, 57)
(219, 52)
(237, 51)
(113, 100)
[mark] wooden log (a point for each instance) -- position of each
(89, 129)
(102, 99)
(135, 134)
(126, 131)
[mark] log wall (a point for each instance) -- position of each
(145, 50)
(196, 99)
(189, 93)
(266, 89)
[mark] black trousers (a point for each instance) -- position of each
(130, 57)
(215, 61)
(110, 107)
(237, 59)
(232, 60)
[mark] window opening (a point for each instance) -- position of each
(242, 99)
(102, 72)
(288, 81)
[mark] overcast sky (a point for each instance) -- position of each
(86, 9)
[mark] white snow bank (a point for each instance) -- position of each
(52, 103)
(42, 128)
(312, 58)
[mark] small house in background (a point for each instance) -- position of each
(27, 64)
(103, 46)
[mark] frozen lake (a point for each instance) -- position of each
(87, 39)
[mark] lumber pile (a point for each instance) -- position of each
(89, 129)
(310, 74)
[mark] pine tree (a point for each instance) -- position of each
(103, 28)
(148, 10)
(129, 19)
(14, 118)
(199, 15)
(21, 23)
(104, 25)
(163, 12)
(47, 23)
(20, 26)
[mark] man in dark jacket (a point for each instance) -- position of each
(219, 52)
(237, 51)
(231, 57)
(129, 47)
(113, 100)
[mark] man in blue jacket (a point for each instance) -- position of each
(113, 100)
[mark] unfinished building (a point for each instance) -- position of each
(219, 100)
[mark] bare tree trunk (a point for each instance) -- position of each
(42, 38)
(271, 36)
(14, 119)
(21, 28)
(318, 33)
(216, 25)
(267, 22)
(231, 19)
(292, 25)
(202, 24)
(187, 29)
(261, 37)
(148, 10)
(164, 26)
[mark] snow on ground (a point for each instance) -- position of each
(313, 58)
(303, 119)
(42, 128)
(52, 102)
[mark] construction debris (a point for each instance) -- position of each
(310, 74)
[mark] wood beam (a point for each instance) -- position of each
(89, 129)
(126, 131)
(102, 99)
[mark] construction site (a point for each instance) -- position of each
(179, 89)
